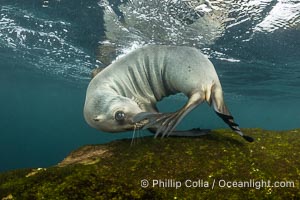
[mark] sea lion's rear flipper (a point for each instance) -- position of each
(223, 112)
(165, 123)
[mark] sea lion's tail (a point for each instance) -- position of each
(222, 111)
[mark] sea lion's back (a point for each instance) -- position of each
(184, 69)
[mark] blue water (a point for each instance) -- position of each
(48, 48)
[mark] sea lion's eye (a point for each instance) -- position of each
(120, 115)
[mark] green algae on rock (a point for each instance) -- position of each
(218, 165)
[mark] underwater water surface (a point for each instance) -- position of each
(48, 49)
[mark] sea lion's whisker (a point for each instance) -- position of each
(141, 134)
(136, 132)
(139, 126)
(138, 138)
(133, 135)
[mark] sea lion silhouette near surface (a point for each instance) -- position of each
(123, 96)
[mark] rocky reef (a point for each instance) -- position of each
(220, 165)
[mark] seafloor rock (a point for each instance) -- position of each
(217, 166)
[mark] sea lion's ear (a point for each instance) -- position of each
(96, 71)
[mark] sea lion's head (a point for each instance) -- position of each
(111, 113)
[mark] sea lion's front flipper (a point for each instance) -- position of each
(167, 122)
(142, 116)
(162, 122)
(153, 119)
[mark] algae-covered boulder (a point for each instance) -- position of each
(220, 165)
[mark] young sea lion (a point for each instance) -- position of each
(123, 96)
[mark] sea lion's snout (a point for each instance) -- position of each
(97, 118)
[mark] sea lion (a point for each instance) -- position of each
(123, 96)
